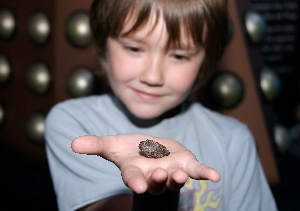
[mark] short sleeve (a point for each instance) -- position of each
(250, 189)
(78, 179)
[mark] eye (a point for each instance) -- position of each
(133, 49)
(180, 57)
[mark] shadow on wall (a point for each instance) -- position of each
(25, 182)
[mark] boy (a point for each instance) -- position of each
(154, 53)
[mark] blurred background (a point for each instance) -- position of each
(46, 57)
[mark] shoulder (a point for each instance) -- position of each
(78, 106)
(83, 102)
(215, 120)
(79, 110)
(225, 131)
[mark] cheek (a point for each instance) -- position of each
(184, 76)
(182, 83)
(120, 68)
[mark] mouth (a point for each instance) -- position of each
(146, 96)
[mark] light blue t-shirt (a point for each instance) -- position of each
(218, 141)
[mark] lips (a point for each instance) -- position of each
(146, 95)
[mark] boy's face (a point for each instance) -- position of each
(147, 78)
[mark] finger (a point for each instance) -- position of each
(199, 171)
(177, 179)
(134, 179)
(157, 181)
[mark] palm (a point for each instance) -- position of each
(140, 173)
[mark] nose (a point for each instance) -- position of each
(152, 74)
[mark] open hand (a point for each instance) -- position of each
(143, 174)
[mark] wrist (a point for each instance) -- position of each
(168, 200)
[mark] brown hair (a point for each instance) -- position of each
(107, 18)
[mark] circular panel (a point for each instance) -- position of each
(78, 29)
(81, 82)
(38, 28)
(230, 31)
(226, 89)
(282, 138)
(269, 83)
(255, 26)
(35, 128)
(7, 24)
(38, 78)
(5, 69)
(2, 114)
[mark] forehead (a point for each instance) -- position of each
(133, 26)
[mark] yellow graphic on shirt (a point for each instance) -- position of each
(202, 198)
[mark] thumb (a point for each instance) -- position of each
(91, 145)
(113, 148)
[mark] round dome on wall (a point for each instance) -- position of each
(5, 69)
(255, 26)
(7, 23)
(35, 128)
(270, 83)
(230, 31)
(282, 138)
(38, 28)
(226, 89)
(81, 82)
(38, 78)
(2, 114)
(78, 29)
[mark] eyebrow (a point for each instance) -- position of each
(185, 47)
(180, 46)
(130, 37)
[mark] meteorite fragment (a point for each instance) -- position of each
(152, 149)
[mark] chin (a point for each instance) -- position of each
(146, 116)
(146, 112)
(154, 114)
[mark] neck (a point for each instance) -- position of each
(148, 122)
